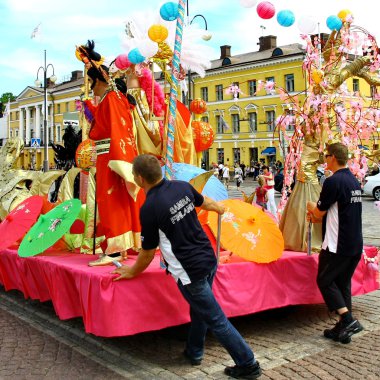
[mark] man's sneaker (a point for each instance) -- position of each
(334, 332)
(251, 372)
(191, 359)
(347, 331)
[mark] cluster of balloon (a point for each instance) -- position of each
(286, 18)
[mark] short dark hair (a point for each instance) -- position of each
(148, 167)
(339, 151)
(265, 167)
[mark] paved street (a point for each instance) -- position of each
(288, 342)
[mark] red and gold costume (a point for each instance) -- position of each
(118, 198)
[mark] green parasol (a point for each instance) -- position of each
(50, 228)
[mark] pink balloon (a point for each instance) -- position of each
(122, 62)
(265, 10)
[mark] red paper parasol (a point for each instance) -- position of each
(18, 222)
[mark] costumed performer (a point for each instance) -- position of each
(117, 196)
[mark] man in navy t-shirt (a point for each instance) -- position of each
(169, 220)
(340, 209)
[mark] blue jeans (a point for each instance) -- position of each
(205, 313)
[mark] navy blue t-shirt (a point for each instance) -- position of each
(342, 191)
(169, 220)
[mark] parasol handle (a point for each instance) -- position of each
(219, 233)
(309, 238)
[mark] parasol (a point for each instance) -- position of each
(248, 232)
(19, 220)
(50, 228)
(213, 187)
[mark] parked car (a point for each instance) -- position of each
(279, 178)
(372, 186)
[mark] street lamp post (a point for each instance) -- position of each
(37, 82)
(206, 37)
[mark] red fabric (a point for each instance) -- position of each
(118, 213)
(152, 301)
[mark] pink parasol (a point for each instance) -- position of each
(18, 222)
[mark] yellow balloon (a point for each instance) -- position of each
(344, 13)
(317, 76)
(158, 33)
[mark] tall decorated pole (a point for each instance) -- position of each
(173, 89)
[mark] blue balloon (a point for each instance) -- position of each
(285, 18)
(185, 172)
(135, 56)
(169, 11)
(334, 23)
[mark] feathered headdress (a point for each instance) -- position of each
(91, 58)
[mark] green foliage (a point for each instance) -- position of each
(6, 97)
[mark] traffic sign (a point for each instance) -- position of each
(35, 143)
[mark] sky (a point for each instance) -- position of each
(65, 24)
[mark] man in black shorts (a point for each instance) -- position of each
(169, 220)
(340, 207)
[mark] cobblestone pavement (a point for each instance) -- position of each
(288, 342)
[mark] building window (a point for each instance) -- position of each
(17, 115)
(219, 92)
(67, 107)
(236, 153)
(270, 119)
(237, 94)
(11, 133)
(291, 126)
(204, 93)
(58, 136)
(355, 85)
(373, 91)
(58, 108)
(252, 118)
(235, 123)
(269, 91)
(204, 119)
(289, 82)
(252, 87)
(220, 154)
(219, 124)
(16, 132)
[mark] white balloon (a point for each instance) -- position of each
(147, 47)
(306, 24)
(248, 3)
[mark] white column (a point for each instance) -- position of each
(21, 124)
(27, 132)
(37, 124)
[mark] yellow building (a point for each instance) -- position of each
(244, 125)
(27, 118)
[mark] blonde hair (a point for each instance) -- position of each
(260, 181)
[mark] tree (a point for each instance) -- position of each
(4, 99)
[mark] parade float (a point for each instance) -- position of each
(48, 257)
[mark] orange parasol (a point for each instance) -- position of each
(249, 232)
